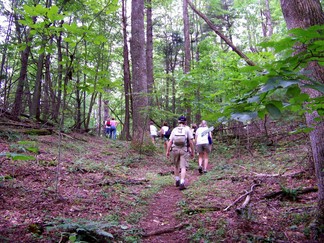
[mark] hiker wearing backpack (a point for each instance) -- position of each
(164, 133)
(203, 146)
(108, 126)
(181, 136)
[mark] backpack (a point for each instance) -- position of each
(180, 137)
(108, 123)
(167, 134)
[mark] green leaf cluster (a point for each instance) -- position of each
(278, 89)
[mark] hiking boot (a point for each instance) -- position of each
(200, 170)
(205, 171)
(182, 187)
(177, 183)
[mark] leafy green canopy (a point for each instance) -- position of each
(276, 87)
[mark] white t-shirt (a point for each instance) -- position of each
(165, 129)
(153, 130)
(201, 139)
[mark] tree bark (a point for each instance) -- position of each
(24, 56)
(149, 50)
(139, 73)
(187, 56)
(125, 134)
(303, 14)
(267, 27)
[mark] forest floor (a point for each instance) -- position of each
(92, 189)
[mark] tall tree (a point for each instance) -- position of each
(187, 52)
(267, 26)
(303, 14)
(24, 37)
(127, 77)
(139, 72)
(149, 50)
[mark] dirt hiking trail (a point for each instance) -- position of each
(130, 197)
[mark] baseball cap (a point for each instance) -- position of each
(182, 119)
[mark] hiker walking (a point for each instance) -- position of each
(193, 130)
(108, 127)
(153, 132)
(164, 135)
(180, 137)
(113, 128)
(203, 146)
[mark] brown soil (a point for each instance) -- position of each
(95, 180)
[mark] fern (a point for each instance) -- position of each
(290, 193)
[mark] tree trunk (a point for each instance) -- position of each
(303, 14)
(139, 73)
(149, 50)
(35, 107)
(47, 89)
(5, 48)
(24, 56)
(267, 27)
(187, 54)
(125, 134)
(56, 105)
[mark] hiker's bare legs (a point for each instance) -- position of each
(183, 174)
(200, 159)
(205, 158)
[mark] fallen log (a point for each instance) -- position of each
(166, 173)
(282, 192)
(293, 174)
(165, 230)
(124, 182)
(242, 196)
(201, 210)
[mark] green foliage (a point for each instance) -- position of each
(5, 177)
(17, 150)
(84, 165)
(15, 156)
(289, 193)
(278, 88)
(10, 136)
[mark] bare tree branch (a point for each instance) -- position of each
(228, 41)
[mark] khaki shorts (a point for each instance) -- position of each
(203, 148)
(180, 157)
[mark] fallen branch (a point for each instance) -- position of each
(293, 174)
(241, 197)
(221, 35)
(65, 135)
(166, 230)
(202, 210)
(166, 173)
(298, 192)
(124, 182)
(245, 203)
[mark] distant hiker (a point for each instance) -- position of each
(153, 132)
(193, 130)
(108, 127)
(113, 128)
(179, 138)
(164, 134)
(202, 146)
